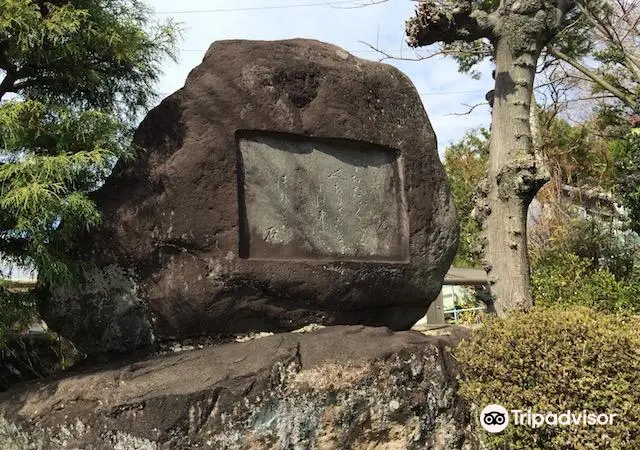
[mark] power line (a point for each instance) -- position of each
(259, 8)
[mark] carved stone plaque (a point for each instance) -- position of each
(305, 198)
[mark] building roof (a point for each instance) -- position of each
(468, 277)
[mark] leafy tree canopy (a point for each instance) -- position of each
(598, 39)
(574, 153)
(465, 163)
(103, 54)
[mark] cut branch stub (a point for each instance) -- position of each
(523, 177)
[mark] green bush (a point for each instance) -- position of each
(554, 360)
(17, 311)
(566, 279)
(600, 242)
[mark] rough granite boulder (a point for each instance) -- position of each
(338, 388)
(286, 183)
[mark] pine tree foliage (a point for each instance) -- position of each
(52, 158)
(74, 77)
(83, 53)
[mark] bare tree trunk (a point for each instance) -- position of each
(514, 178)
(536, 132)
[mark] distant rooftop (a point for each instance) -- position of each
(470, 277)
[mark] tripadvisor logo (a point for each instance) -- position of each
(495, 418)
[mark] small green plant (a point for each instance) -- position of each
(17, 310)
(554, 360)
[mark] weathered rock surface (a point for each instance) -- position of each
(337, 388)
(287, 183)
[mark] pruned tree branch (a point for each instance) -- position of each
(447, 22)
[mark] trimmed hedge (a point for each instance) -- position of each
(554, 360)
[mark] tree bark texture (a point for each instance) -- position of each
(514, 178)
(517, 30)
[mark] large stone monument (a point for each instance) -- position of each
(286, 183)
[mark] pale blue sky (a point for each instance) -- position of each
(443, 89)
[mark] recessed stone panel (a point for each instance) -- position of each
(306, 198)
